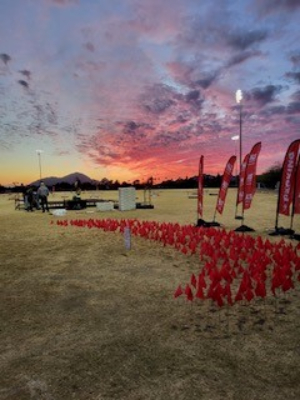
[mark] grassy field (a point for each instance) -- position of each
(81, 317)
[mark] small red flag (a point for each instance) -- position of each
(219, 300)
(201, 280)
(249, 294)
(200, 293)
(178, 292)
(184, 250)
(189, 293)
(260, 289)
(239, 296)
(193, 280)
(287, 285)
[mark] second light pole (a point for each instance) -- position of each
(39, 152)
(239, 97)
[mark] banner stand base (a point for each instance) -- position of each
(206, 224)
(244, 228)
(282, 231)
(201, 222)
(295, 236)
(213, 223)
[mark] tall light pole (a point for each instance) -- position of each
(235, 138)
(239, 97)
(39, 152)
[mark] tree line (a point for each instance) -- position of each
(268, 179)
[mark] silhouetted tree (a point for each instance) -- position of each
(271, 176)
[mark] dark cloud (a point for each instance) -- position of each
(195, 100)
(158, 106)
(293, 107)
(242, 57)
(295, 59)
(136, 129)
(192, 95)
(274, 110)
(207, 79)
(89, 46)
(270, 6)
(168, 138)
(296, 96)
(5, 58)
(242, 40)
(50, 114)
(131, 126)
(26, 73)
(265, 94)
(63, 2)
(23, 83)
(181, 119)
(201, 32)
(294, 76)
(158, 98)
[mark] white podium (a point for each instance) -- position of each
(127, 199)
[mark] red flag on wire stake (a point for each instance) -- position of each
(189, 293)
(193, 280)
(178, 292)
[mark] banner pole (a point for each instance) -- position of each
(278, 200)
(236, 207)
(214, 219)
(243, 214)
(200, 185)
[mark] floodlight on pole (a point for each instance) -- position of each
(39, 152)
(239, 98)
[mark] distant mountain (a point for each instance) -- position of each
(71, 178)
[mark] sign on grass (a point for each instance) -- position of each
(127, 238)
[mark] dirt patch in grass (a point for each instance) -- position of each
(82, 318)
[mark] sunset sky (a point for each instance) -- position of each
(126, 89)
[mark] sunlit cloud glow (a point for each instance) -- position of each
(128, 89)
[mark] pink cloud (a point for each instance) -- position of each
(63, 2)
(156, 19)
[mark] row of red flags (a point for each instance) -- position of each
(289, 191)
(236, 266)
(229, 284)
